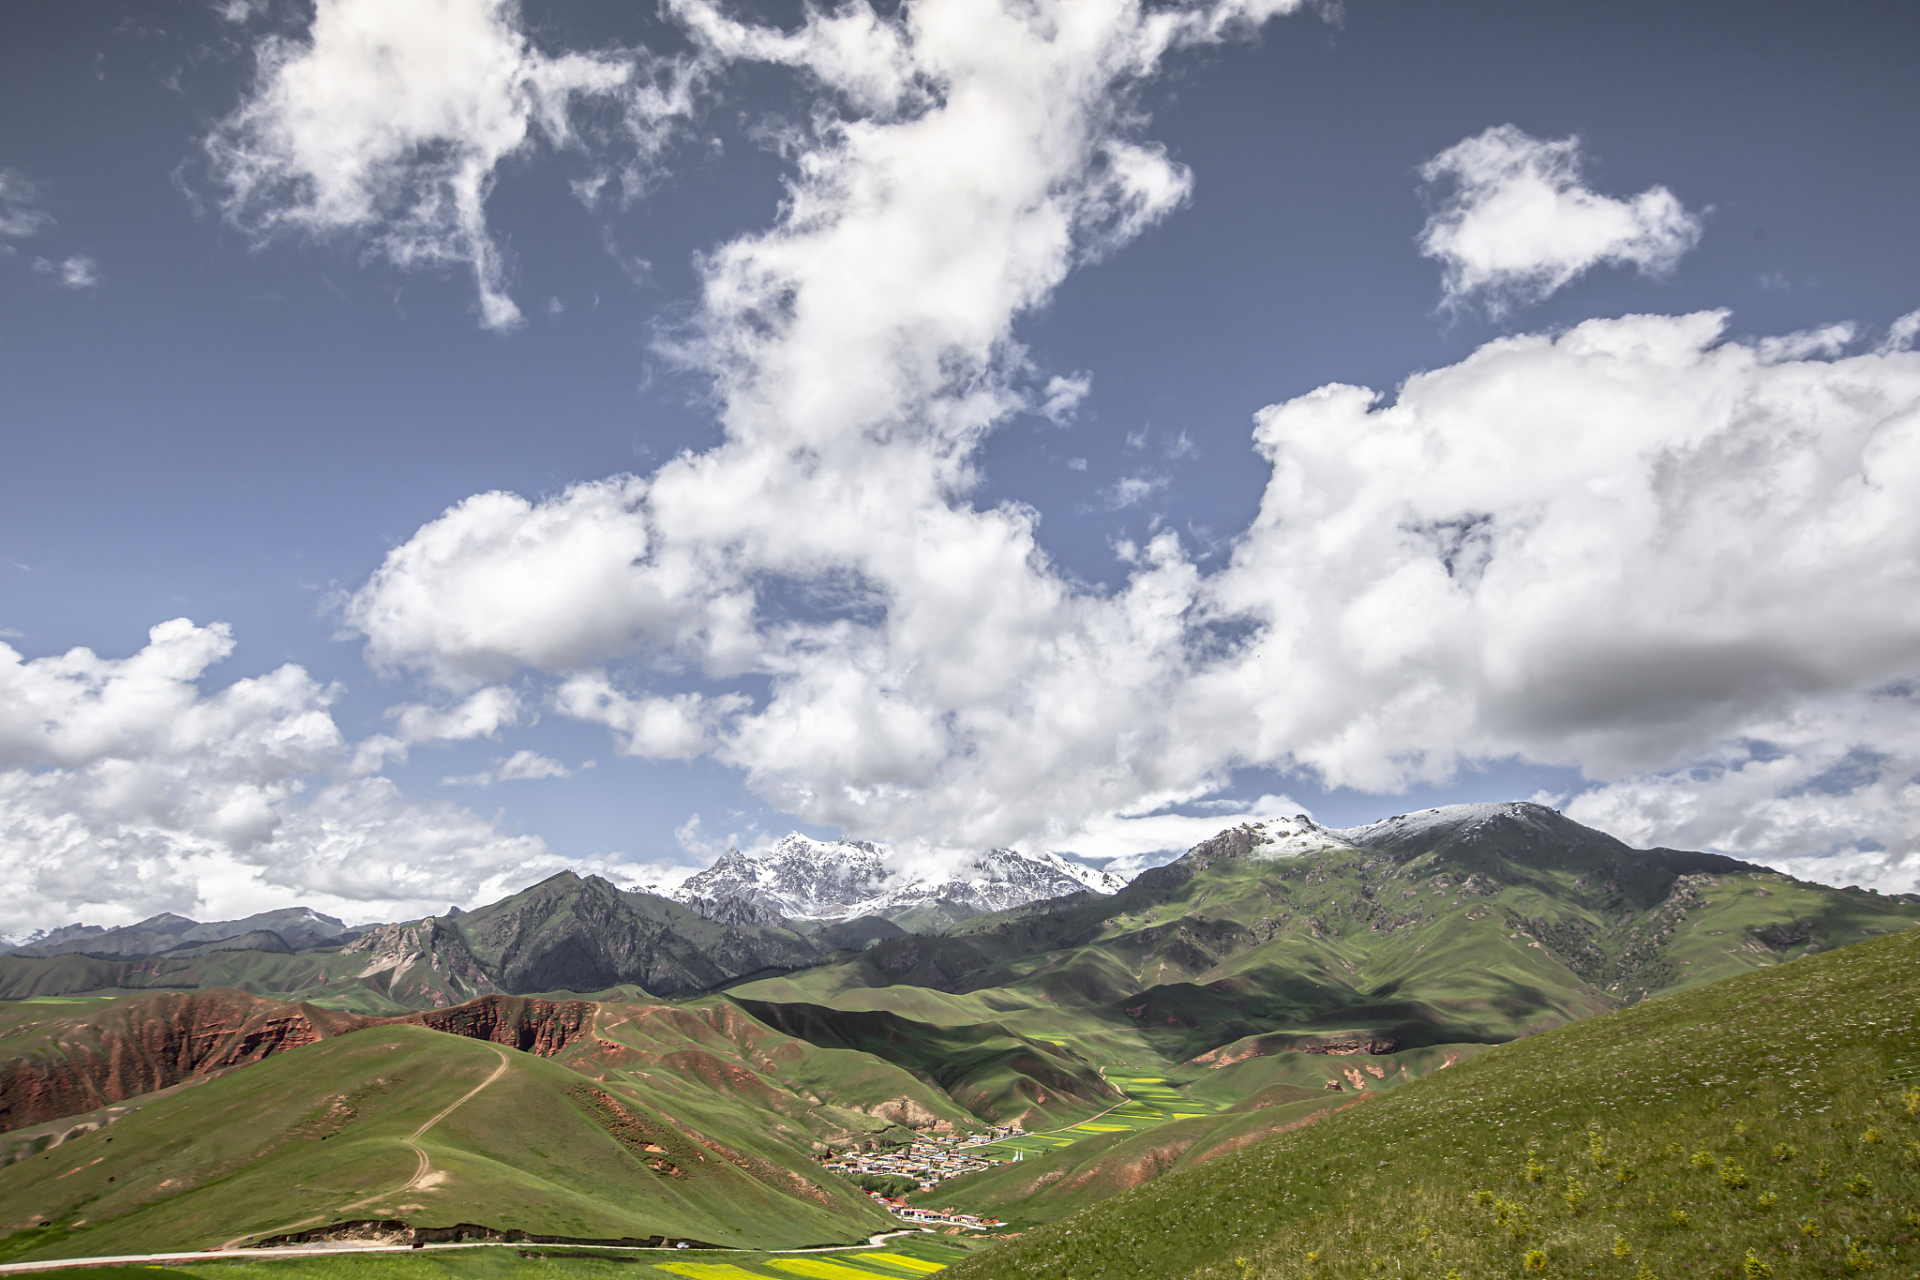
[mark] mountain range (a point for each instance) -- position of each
(840, 880)
(775, 1012)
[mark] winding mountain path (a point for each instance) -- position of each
(420, 1173)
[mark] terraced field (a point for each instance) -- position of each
(1151, 1102)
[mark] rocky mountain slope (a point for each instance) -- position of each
(805, 879)
(565, 933)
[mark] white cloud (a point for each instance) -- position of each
(529, 766)
(79, 272)
(482, 715)
(1620, 548)
(1901, 333)
(390, 121)
(125, 789)
(860, 349)
(1131, 491)
(1517, 221)
(1127, 845)
(1823, 343)
(673, 728)
(1063, 397)
(1827, 790)
(498, 583)
(20, 212)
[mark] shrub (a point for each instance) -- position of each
(1860, 1185)
(1754, 1268)
(1536, 1259)
(1732, 1175)
(1621, 1249)
(1703, 1159)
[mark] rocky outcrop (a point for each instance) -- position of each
(540, 1027)
(734, 909)
(81, 1063)
(422, 962)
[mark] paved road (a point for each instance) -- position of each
(307, 1251)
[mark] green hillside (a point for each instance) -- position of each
(1763, 1126)
(326, 1132)
(1476, 925)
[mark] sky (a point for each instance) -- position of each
(451, 441)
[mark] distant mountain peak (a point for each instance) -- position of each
(802, 878)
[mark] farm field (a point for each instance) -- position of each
(907, 1257)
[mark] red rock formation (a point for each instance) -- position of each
(69, 1063)
(78, 1062)
(540, 1027)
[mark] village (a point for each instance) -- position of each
(928, 1160)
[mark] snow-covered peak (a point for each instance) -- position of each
(1092, 877)
(1295, 837)
(1447, 819)
(799, 876)
(803, 878)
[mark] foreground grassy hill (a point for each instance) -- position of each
(605, 1120)
(412, 1124)
(1763, 1126)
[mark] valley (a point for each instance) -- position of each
(584, 1066)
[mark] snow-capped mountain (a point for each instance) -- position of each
(801, 878)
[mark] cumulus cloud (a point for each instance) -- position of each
(1629, 548)
(1517, 222)
(481, 715)
(126, 789)
(1632, 548)
(923, 655)
(1825, 790)
(390, 122)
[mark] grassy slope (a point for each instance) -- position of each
(993, 1072)
(1189, 1117)
(1475, 936)
(1775, 1112)
(308, 1133)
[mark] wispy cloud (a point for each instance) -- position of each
(73, 273)
(390, 121)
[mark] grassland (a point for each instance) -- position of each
(1763, 1126)
(359, 1127)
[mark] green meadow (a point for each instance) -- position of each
(1761, 1128)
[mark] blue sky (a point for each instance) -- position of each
(877, 392)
